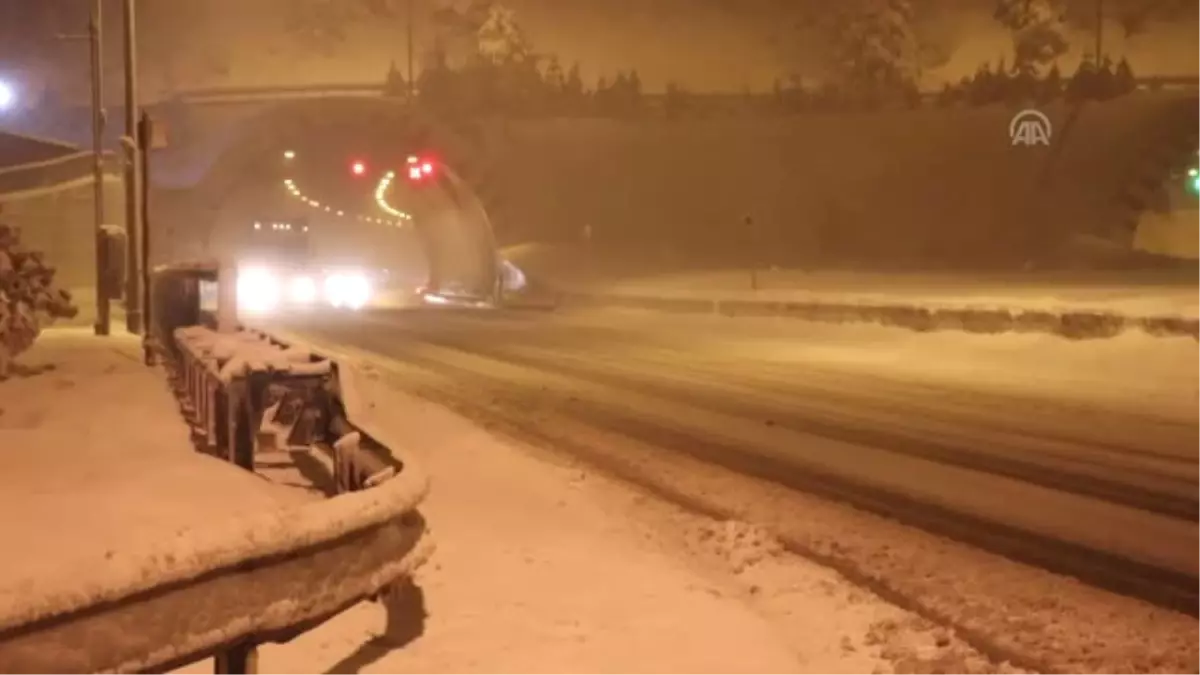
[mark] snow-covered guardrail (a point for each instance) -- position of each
(1072, 323)
(222, 590)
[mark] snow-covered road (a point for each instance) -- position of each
(1078, 457)
(547, 568)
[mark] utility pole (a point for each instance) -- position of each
(95, 38)
(146, 130)
(1099, 31)
(412, 85)
(96, 35)
(134, 225)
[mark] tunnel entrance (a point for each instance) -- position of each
(343, 165)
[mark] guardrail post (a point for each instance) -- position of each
(221, 440)
(234, 411)
(210, 415)
(237, 660)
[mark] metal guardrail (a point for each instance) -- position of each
(246, 391)
(268, 577)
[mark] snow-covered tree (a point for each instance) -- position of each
(28, 297)
(1038, 30)
(554, 76)
(877, 51)
(500, 39)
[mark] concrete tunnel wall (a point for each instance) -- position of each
(921, 188)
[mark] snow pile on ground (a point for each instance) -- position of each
(98, 460)
(741, 545)
(776, 583)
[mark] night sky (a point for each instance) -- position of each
(706, 45)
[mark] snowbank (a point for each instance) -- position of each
(1079, 308)
(120, 505)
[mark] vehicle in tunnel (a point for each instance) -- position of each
(454, 293)
(279, 269)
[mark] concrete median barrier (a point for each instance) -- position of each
(1071, 324)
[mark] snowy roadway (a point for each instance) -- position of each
(1077, 457)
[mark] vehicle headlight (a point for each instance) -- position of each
(348, 290)
(257, 290)
(303, 290)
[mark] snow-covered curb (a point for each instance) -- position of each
(1071, 323)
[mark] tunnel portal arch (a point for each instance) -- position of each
(456, 230)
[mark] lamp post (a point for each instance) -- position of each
(412, 85)
(95, 38)
(134, 223)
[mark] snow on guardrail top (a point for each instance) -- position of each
(247, 352)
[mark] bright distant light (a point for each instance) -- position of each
(303, 290)
(415, 173)
(352, 291)
(358, 168)
(257, 290)
(8, 96)
(426, 168)
(412, 159)
(289, 154)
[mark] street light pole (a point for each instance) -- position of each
(412, 85)
(134, 226)
(1099, 30)
(96, 36)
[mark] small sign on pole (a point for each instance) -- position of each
(154, 133)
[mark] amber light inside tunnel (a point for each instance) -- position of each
(381, 192)
(343, 166)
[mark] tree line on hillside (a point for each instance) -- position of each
(876, 64)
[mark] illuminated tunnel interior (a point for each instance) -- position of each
(342, 191)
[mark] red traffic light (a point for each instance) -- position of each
(358, 168)
(419, 168)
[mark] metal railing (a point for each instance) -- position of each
(50, 173)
